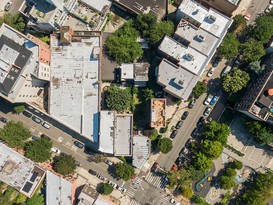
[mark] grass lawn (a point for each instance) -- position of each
(227, 116)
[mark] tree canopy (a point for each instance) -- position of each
(39, 150)
(201, 162)
(263, 29)
(105, 189)
(256, 67)
(212, 149)
(19, 109)
(239, 24)
(64, 164)
(15, 134)
(122, 45)
(199, 89)
(186, 191)
(98, 157)
(118, 99)
(165, 145)
(148, 94)
(37, 199)
(16, 21)
(229, 47)
(215, 131)
(236, 80)
(252, 50)
(124, 171)
(261, 132)
(144, 22)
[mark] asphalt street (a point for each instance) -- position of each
(256, 7)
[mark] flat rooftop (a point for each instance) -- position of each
(156, 7)
(19, 172)
(176, 80)
(58, 190)
(188, 58)
(107, 131)
(141, 150)
(74, 85)
(100, 6)
(123, 137)
(158, 106)
(42, 10)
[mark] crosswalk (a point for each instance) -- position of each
(156, 179)
(164, 200)
(134, 187)
(134, 202)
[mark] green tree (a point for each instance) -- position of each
(227, 182)
(153, 134)
(201, 162)
(186, 191)
(235, 81)
(19, 109)
(212, 149)
(229, 47)
(158, 31)
(16, 21)
(36, 199)
(215, 131)
(256, 67)
(261, 132)
(21, 199)
(199, 89)
(118, 99)
(64, 164)
(263, 29)
(148, 94)
(144, 22)
(105, 189)
(122, 45)
(199, 200)
(238, 25)
(252, 50)
(15, 134)
(165, 145)
(39, 150)
(124, 171)
(236, 165)
(98, 158)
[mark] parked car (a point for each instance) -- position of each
(271, 2)
(122, 189)
(210, 72)
(188, 143)
(195, 132)
(174, 202)
(226, 70)
(90, 171)
(201, 121)
(27, 114)
(101, 177)
(55, 150)
(185, 115)
(247, 16)
(207, 111)
(192, 103)
(45, 136)
(36, 119)
(206, 81)
(78, 164)
(216, 62)
(184, 151)
(219, 92)
(154, 167)
(174, 133)
(4, 120)
(214, 100)
(208, 99)
(46, 125)
(34, 138)
(78, 144)
(179, 124)
(108, 162)
(7, 6)
(268, 9)
(112, 184)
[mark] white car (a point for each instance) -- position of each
(271, 2)
(55, 150)
(208, 99)
(211, 70)
(173, 201)
(112, 184)
(268, 9)
(121, 189)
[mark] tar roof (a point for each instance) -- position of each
(141, 150)
(176, 80)
(74, 93)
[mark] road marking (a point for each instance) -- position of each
(32, 130)
(68, 144)
(60, 139)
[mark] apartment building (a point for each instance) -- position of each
(225, 6)
(198, 35)
(24, 66)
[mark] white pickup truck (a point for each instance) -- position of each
(208, 99)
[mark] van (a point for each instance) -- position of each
(226, 70)
(46, 125)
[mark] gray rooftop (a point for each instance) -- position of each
(100, 6)
(123, 137)
(74, 89)
(88, 195)
(18, 171)
(58, 190)
(176, 80)
(141, 150)
(141, 72)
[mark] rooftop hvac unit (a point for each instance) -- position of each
(200, 38)
(212, 18)
(189, 56)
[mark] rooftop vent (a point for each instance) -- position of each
(189, 56)
(200, 38)
(212, 18)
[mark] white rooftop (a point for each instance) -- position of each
(141, 150)
(98, 5)
(74, 89)
(188, 58)
(127, 71)
(176, 80)
(58, 190)
(107, 131)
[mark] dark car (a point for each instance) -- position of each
(201, 121)
(192, 103)
(154, 167)
(27, 114)
(78, 144)
(207, 111)
(216, 62)
(174, 133)
(7, 6)
(90, 171)
(185, 115)
(188, 143)
(36, 119)
(219, 92)
(4, 120)
(45, 136)
(179, 124)
(195, 132)
(35, 138)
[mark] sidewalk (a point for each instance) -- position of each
(242, 8)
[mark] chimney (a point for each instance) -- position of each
(166, 12)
